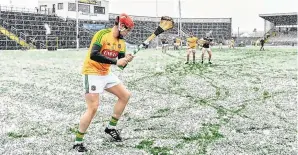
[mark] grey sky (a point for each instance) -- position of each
(244, 14)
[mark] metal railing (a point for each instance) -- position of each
(17, 9)
(23, 36)
(5, 24)
(20, 36)
(25, 10)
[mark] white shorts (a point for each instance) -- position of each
(193, 50)
(97, 83)
(206, 49)
(165, 45)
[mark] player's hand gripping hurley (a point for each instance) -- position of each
(166, 23)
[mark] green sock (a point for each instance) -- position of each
(79, 136)
(113, 122)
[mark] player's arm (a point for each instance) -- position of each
(122, 53)
(210, 41)
(120, 56)
(198, 41)
(187, 42)
(206, 40)
(98, 57)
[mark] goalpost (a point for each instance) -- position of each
(179, 23)
(156, 9)
(77, 24)
(179, 18)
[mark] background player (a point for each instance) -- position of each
(191, 47)
(232, 43)
(106, 46)
(206, 47)
(177, 43)
(220, 43)
(262, 42)
(164, 45)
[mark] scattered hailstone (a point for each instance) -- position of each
(262, 142)
(158, 69)
(266, 132)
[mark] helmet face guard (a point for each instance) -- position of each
(122, 27)
(124, 22)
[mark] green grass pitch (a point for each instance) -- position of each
(244, 103)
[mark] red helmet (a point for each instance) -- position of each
(126, 21)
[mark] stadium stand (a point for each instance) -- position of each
(29, 26)
(283, 37)
(8, 44)
(282, 28)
